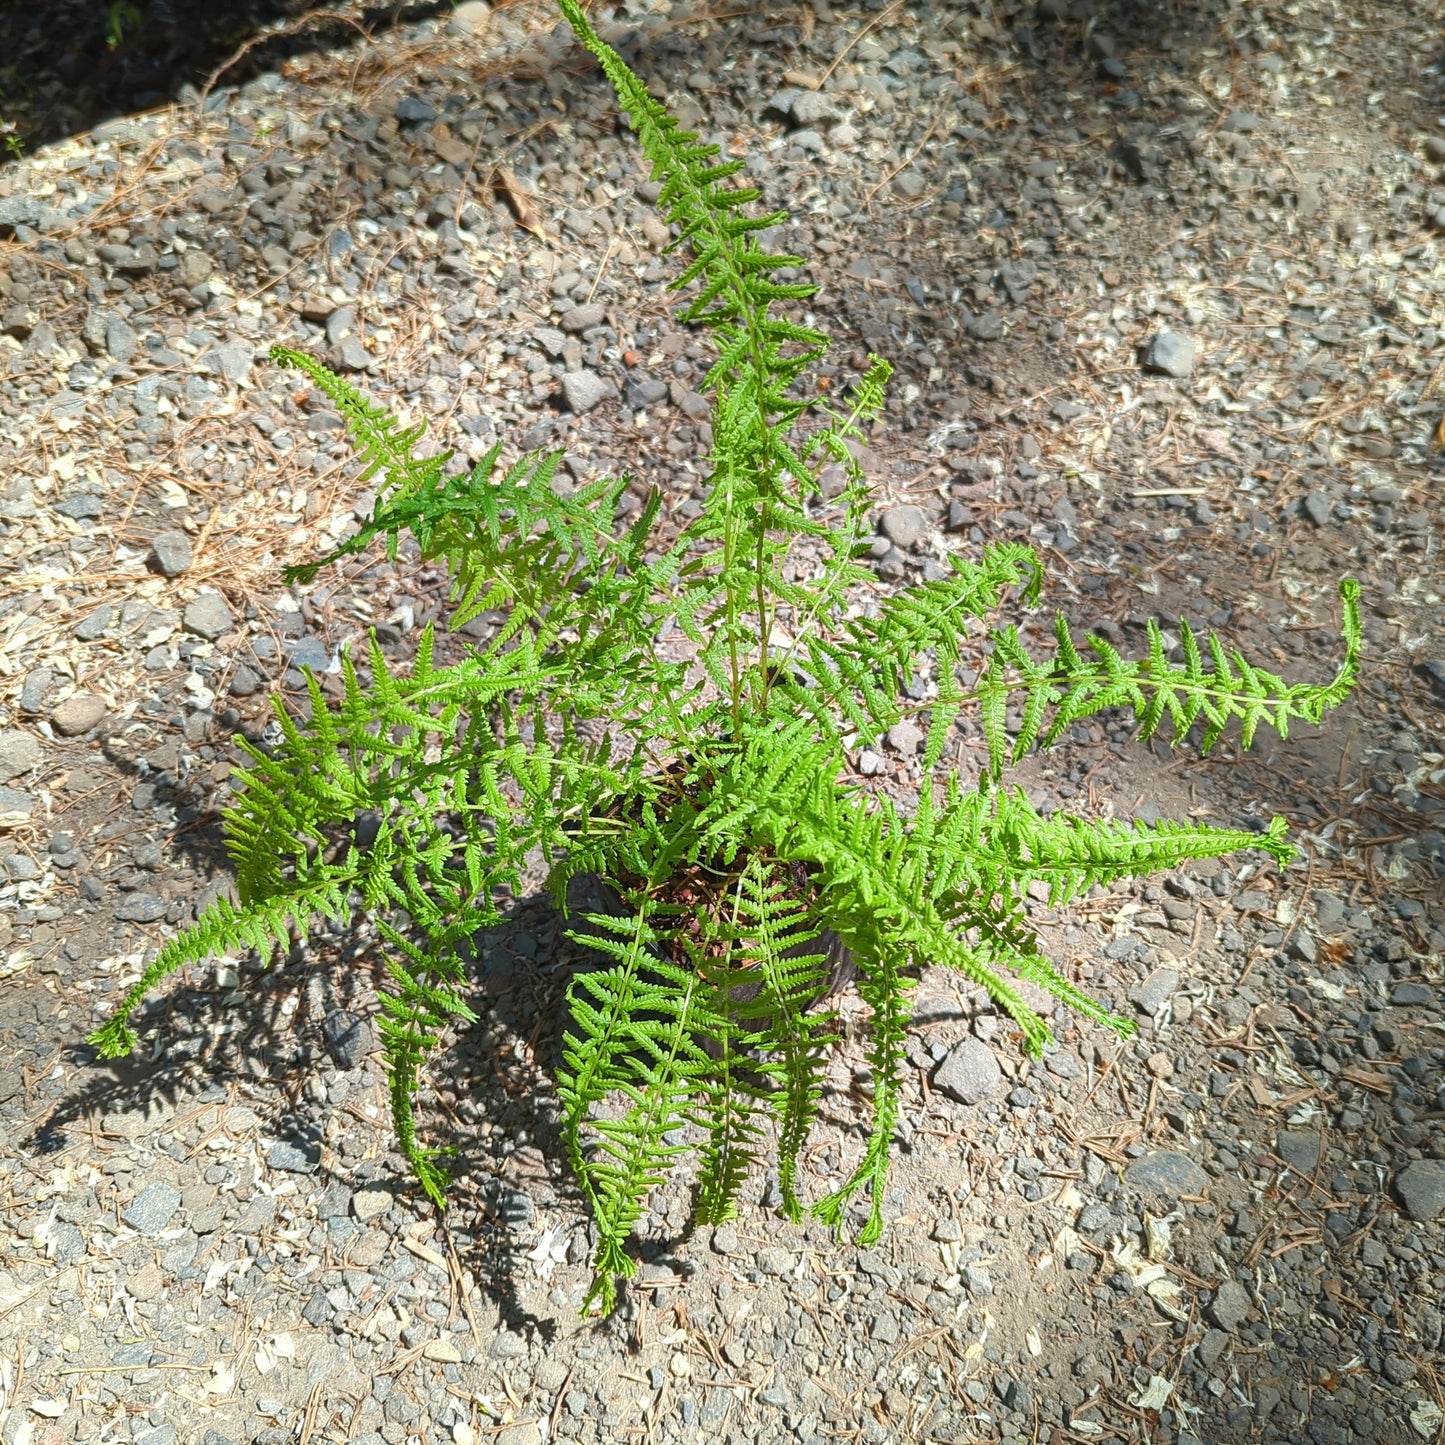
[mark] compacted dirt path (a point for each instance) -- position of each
(1163, 289)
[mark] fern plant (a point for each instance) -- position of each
(744, 859)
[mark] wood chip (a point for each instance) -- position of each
(422, 1252)
(529, 218)
(1367, 1078)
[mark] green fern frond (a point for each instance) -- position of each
(411, 1020)
(634, 1030)
(996, 842)
(790, 974)
(868, 670)
(1229, 689)
(386, 446)
(884, 986)
(223, 928)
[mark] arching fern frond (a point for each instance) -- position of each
(385, 445)
(1229, 688)
(224, 928)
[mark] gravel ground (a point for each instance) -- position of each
(1161, 286)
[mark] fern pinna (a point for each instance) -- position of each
(744, 862)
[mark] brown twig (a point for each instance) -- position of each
(557, 1406)
(878, 20)
(902, 166)
(290, 28)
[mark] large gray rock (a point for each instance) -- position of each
(67, 1243)
(1300, 1149)
(120, 339)
(80, 506)
(1412, 995)
(232, 361)
(905, 526)
(970, 1073)
(469, 18)
(208, 616)
(1329, 912)
(15, 807)
(1421, 1187)
(585, 389)
(171, 552)
(78, 714)
(1171, 353)
(296, 1156)
(812, 106)
(348, 1037)
(19, 753)
(151, 1210)
(1156, 990)
(550, 339)
(1168, 1173)
(985, 327)
(584, 317)
(1317, 506)
(507, 1346)
(906, 737)
(1231, 1305)
(142, 908)
(38, 682)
